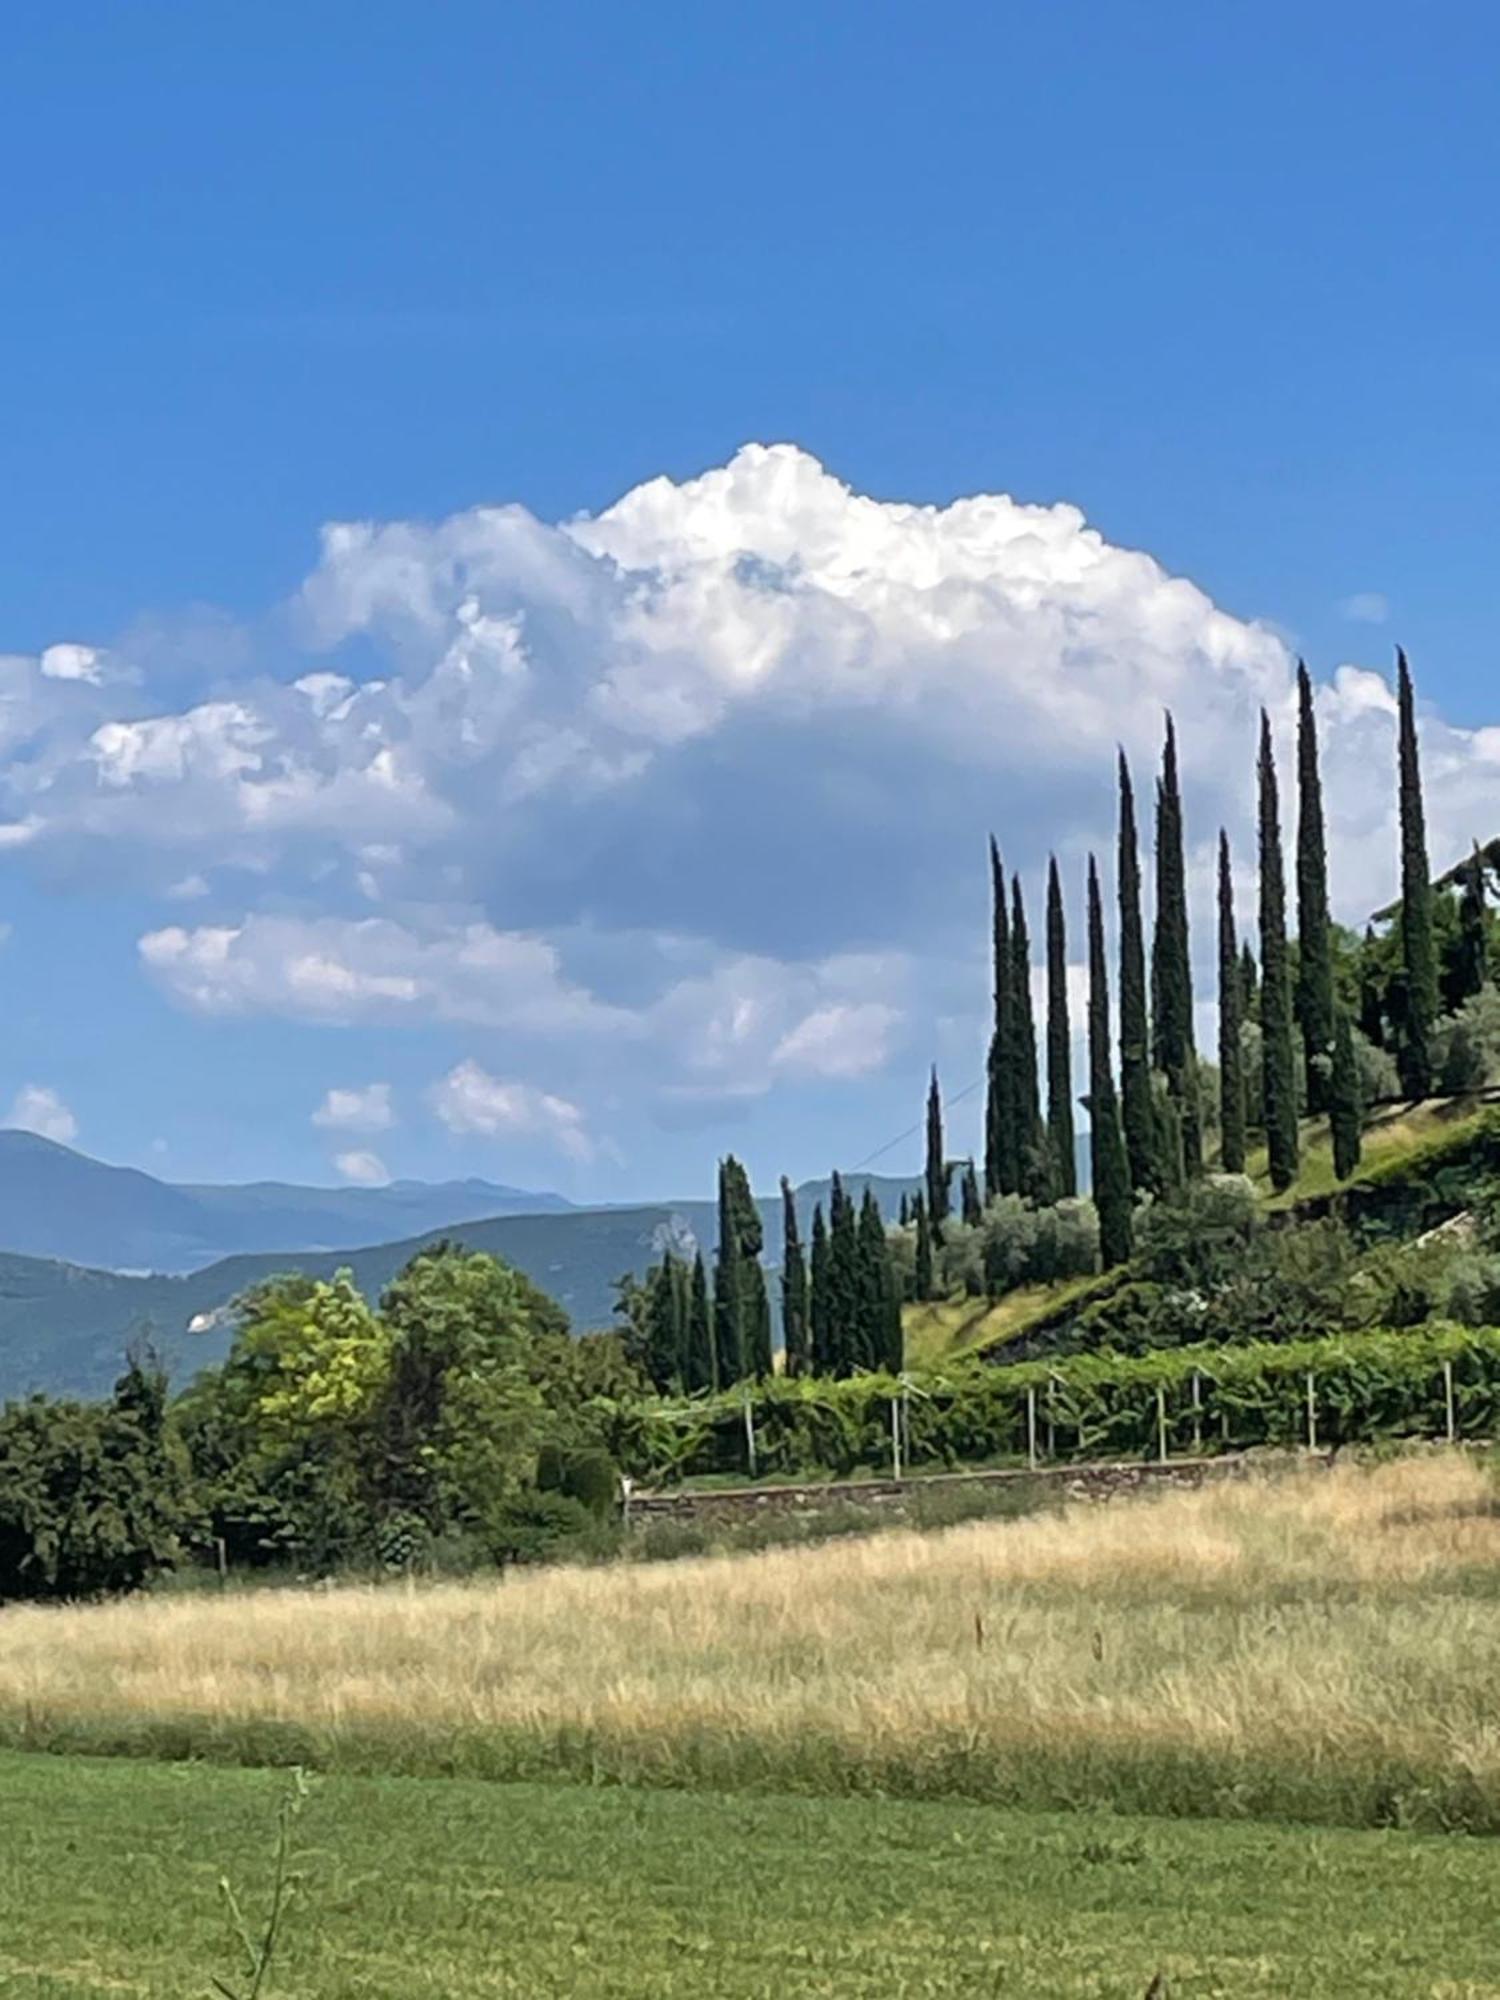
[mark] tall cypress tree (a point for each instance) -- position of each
(1135, 1044)
(1171, 967)
(1249, 983)
(1026, 1095)
(665, 1333)
(1371, 990)
(876, 1287)
(1001, 1159)
(794, 1326)
(1345, 1112)
(1231, 1062)
(701, 1369)
(883, 1337)
(742, 1308)
(1278, 1070)
(1111, 1171)
(843, 1280)
(922, 1274)
(973, 1209)
(1314, 932)
(937, 1163)
(819, 1323)
(1418, 950)
(1063, 1161)
(729, 1299)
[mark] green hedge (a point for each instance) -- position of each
(1365, 1387)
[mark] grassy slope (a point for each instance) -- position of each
(1317, 1647)
(958, 1326)
(443, 1890)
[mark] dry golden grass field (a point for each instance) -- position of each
(1321, 1647)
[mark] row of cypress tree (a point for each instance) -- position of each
(840, 1304)
(1149, 1138)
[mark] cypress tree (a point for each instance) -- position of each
(665, 1334)
(1231, 1071)
(1106, 1141)
(1418, 952)
(1346, 1115)
(922, 1275)
(1314, 932)
(937, 1165)
(819, 1325)
(742, 1305)
(1001, 1163)
(873, 1334)
(884, 1340)
(794, 1326)
(1135, 1046)
(1249, 984)
(1026, 1096)
(1371, 995)
(760, 1358)
(1171, 967)
(843, 1280)
(1059, 1047)
(973, 1211)
(905, 1209)
(701, 1369)
(1278, 1070)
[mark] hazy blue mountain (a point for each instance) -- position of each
(64, 1329)
(65, 1325)
(55, 1202)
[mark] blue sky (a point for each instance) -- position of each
(710, 872)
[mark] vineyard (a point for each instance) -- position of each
(1437, 1381)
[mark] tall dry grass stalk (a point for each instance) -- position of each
(1322, 1646)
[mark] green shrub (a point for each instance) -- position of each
(538, 1527)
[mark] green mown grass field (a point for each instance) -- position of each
(446, 1887)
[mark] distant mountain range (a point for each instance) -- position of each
(179, 1255)
(58, 1203)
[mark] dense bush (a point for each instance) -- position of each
(1466, 1045)
(94, 1497)
(1018, 1242)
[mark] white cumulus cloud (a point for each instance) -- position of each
(363, 1169)
(697, 785)
(364, 1109)
(39, 1109)
(469, 1100)
(373, 968)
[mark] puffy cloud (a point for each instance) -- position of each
(704, 776)
(363, 1169)
(71, 663)
(469, 1100)
(758, 665)
(367, 1109)
(371, 969)
(40, 1110)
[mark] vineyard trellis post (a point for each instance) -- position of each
(750, 1436)
(1161, 1424)
(1031, 1428)
(1312, 1413)
(1448, 1401)
(1197, 1413)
